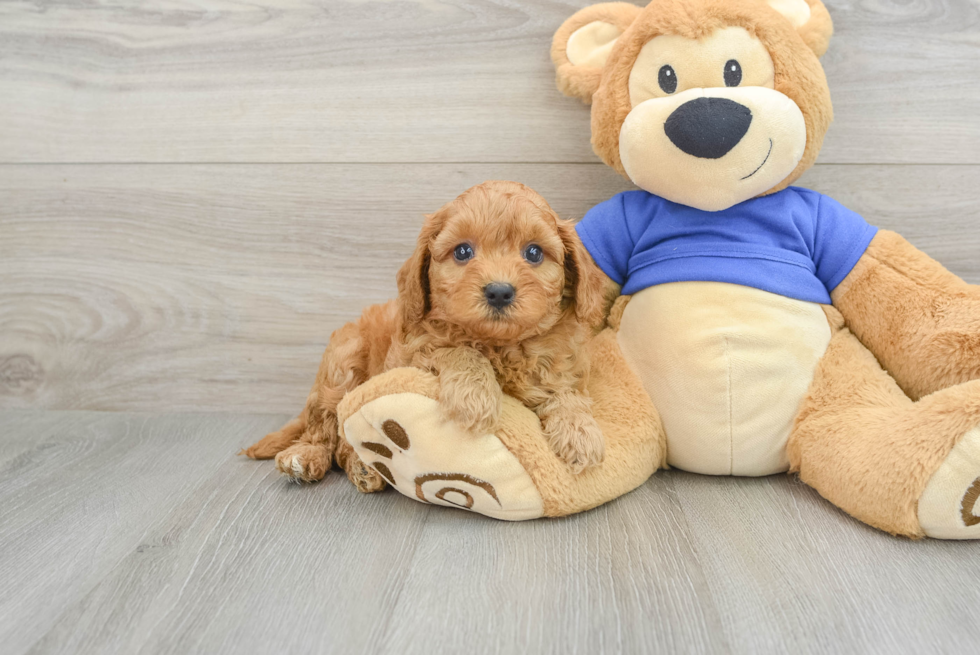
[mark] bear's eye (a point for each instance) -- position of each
(667, 79)
(463, 252)
(733, 73)
(534, 254)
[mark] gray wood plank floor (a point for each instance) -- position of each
(193, 195)
(145, 533)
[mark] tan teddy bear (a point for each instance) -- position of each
(772, 329)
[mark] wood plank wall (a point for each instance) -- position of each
(193, 195)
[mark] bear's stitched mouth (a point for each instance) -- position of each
(762, 164)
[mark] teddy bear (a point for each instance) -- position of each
(762, 328)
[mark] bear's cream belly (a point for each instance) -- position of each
(727, 367)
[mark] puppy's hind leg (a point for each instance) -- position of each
(365, 479)
(306, 447)
(304, 461)
(344, 366)
(299, 453)
(310, 457)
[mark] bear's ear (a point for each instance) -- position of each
(810, 18)
(583, 43)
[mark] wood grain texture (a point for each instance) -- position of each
(179, 287)
(249, 562)
(796, 574)
(604, 581)
(415, 81)
(185, 548)
(78, 500)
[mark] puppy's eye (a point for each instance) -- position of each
(534, 254)
(668, 79)
(733, 73)
(463, 252)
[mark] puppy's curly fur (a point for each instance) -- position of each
(443, 321)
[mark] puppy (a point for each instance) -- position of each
(499, 297)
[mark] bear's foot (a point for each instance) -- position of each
(949, 508)
(397, 427)
(406, 438)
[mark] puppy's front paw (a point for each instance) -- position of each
(304, 462)
(576, 438)
(473, 406)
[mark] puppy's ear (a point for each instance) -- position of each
(582, 45)
(413, 276)
(810, 19)
(584, 281)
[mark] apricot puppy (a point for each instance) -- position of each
(498, 297)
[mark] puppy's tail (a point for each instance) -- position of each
(274, 442)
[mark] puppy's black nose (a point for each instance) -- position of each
(499, 294)
(708, 127)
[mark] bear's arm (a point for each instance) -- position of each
(920, 321)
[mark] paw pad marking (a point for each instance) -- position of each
(384, 472)
(467, 499)
(412, 445)
(968, 506)
(394, 431)
(377, 448)
(459, 497)
(421, 480)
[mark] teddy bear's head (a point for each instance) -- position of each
(703, 102)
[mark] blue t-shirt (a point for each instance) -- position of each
(796, 242)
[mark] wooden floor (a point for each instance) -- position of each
(143, 533)
(193, 195)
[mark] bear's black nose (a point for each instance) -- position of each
(708, 127)
(499, 294)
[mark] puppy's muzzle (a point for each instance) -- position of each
(499, 295)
